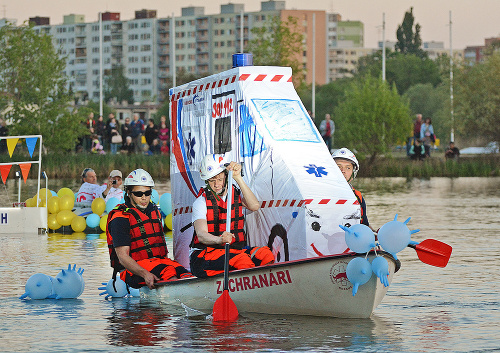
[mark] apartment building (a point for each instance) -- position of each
(148, 47)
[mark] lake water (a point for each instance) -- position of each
(427, 309)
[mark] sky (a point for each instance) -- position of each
(472, 20)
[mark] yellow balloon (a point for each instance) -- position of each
(98, 206)
(78, 224)
(66, 202)
(29, 202)
(42, 203)
(103, 222)
(168, 221)
(66, 191)
(169, 234)
(103, 236)
(53, 204)
(52, 222)
(43, 193)
(65, 217)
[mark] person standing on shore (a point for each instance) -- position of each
(327, 128)
(416, 126)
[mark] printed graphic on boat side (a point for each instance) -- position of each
(270, 279)
(339, 277)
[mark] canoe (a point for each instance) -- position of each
(314, 286)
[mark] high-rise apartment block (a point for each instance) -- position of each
(148, 48)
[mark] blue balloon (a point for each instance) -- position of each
(38, 286)
(358, 271)
(69, 283)
(111, 203)
(155, 197)
(93, 220)
(53, 193)
(109, 290)
(380, 267)
(394, 236)
(134, 292)
(359, 238)
(166, 203)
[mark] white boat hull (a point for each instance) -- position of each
(315, 286)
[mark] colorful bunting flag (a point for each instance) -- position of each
(31, 143)
(25, 170)
(4, 171)
(11, 145)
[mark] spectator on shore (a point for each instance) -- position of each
(163, 132)
(427, 135)
(151, 132)
(126, 130)
(114, 134)
(128, 146)
(100, 130)
(165, 149)
(137, 130)
(327, 128)
(452, 152)
(417, 126)
(4, 131)
(417, 151)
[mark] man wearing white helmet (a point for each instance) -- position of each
(349, 166)
(209, 219)
(135, 237)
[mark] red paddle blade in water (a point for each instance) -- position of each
(433, 252)
(224, 308)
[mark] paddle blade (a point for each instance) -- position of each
(224, 308)
(433, 252)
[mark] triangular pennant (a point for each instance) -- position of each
(31, 143)
(4, 170)
(25, 170)
(11, 145)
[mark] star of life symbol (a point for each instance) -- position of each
(317, 171)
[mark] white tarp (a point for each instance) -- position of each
(253, 115)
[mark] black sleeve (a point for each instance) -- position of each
(364, 218)
(119, 228)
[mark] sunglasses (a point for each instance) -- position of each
(140, 193)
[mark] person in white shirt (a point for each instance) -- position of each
(113, 188)
(90, 189)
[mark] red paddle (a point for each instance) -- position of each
(224, 308)
(433, 252)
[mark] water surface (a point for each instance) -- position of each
(426, 309)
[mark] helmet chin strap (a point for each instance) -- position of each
(218, 195)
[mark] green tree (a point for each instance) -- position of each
(279, 43)
(409, 41)
(372, 118)
(117, 86)
(33, 89)
(402, 70)
(477, 99)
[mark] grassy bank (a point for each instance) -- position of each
(470, 166)
(70, 166)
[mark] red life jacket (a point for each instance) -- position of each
(216, 219)
(146, 235)
(362, 206)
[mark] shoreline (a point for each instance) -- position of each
(69, 166)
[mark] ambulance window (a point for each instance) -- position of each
(222, 138)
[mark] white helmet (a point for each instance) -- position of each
(211, 165)
(139, 177)
(345, 153)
